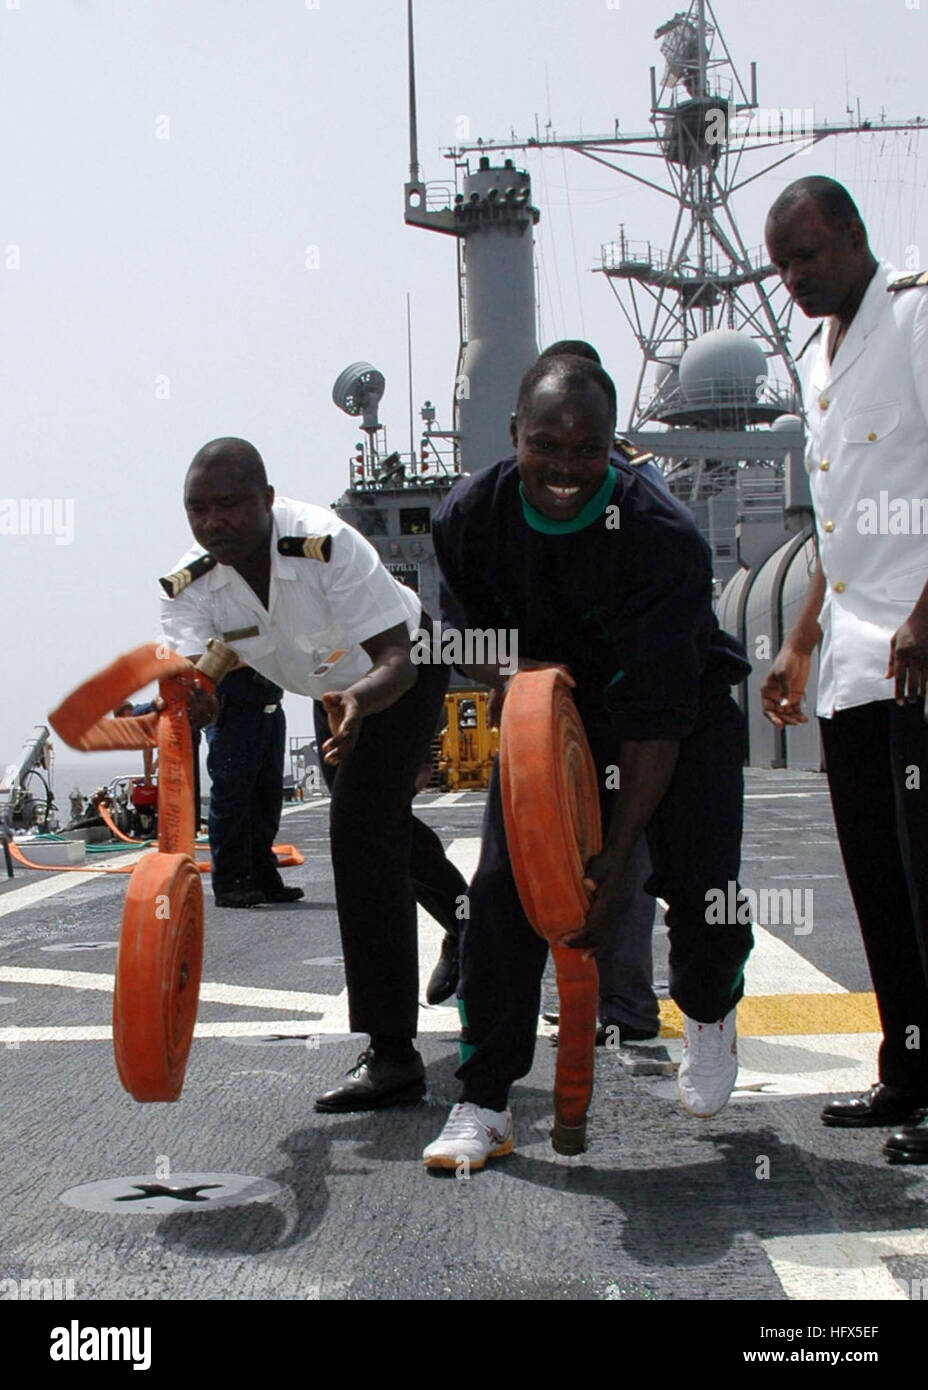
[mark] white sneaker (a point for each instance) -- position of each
(470, 1136)
(709, 1067)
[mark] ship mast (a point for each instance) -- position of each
(706, 122)
(492, 219)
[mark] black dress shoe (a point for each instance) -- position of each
(443, 980)
(240, 897)
(881, 1105)
(908, 1145)
(375, 1082)
(612, 1034)
(283, 894)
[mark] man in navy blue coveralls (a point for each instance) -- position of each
(246, 767)
(598, 570)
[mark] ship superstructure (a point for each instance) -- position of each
(391, 496)
(717, 395)
(717, 389)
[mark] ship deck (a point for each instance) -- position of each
(761, 1203)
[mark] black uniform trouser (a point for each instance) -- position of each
(246, 766)
(876, 756)
(626, 963)
(372, 829)
(694, 839)
(437, 883)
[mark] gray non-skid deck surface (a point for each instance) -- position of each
(662, 1206)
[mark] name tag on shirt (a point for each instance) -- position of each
(329, 662)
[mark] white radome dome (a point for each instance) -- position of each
(723, 365)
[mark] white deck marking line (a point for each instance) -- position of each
(856, 1073)
(333, 1008)
(774, 967)
(246, 995)
(442, 805)
(253, 1028)
(30, 893)
(253, 998)
(777, 796)
(18, 898)
(443, 1021)
(464, 852)
(843, 1264)
(798, 1064)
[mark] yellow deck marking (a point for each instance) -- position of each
(762, 1016)
(776, 1015)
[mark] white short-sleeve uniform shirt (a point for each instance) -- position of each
(314, 608)
(867, 458)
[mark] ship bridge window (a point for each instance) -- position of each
(372, 521)
(414, 521)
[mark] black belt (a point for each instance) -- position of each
(245, 687)
(250, 704)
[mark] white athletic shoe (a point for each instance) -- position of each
(470, 1136)
(709, 1067)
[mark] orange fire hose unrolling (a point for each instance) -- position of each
(81, 719)
(551, 811)
(160, 954)
(114, 829)
(287, 857)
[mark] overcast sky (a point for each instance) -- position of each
(164, 166)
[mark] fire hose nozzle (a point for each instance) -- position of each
(568, 1139)
(217, 660)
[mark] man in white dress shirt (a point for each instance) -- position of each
(865, 391)
(304, 599)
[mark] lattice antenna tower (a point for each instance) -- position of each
(705, 121)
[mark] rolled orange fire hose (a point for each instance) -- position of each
(160, 954)
(551, 812)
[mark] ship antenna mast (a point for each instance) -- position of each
(704, 121)
(414, 174)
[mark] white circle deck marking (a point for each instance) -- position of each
(148, 1195)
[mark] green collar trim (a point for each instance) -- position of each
(590, 513)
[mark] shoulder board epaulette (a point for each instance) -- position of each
(174, 584)
(630, 454)
(908, 282)
(310, 547)
(811, 339)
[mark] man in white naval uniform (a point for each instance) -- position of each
(865, 391)
(303, 599)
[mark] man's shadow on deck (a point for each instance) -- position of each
(314, 1151)
(689, 1213)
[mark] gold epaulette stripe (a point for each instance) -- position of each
(908, 282)
(631, 454)
(310, 547)
(176, 583)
